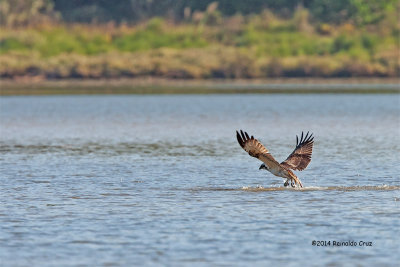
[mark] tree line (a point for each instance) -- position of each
(29, 12)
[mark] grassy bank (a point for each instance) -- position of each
(211, 86)
(260, 46)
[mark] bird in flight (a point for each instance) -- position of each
(297, 160)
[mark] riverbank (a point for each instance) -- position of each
(169, 86)
(253, 47)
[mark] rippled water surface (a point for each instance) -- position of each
(160, 180)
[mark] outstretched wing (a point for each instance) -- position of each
(301, 155)
(256, 149)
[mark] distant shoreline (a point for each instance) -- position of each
(35, 86)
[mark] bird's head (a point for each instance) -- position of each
(263, 167)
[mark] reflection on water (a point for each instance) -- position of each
(161, 180)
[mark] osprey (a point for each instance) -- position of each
(298, 160)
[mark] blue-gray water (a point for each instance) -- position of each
(160, 180)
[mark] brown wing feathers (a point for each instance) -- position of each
(242, 138)
(301, 155)
(250, 145)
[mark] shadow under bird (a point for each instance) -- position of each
(297, 160)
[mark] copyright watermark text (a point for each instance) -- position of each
(333, 243)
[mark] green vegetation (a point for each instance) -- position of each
(205, 44)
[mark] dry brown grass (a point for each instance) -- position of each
(214, 62)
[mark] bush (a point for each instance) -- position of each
(342, 43)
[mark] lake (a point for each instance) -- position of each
(154, 180)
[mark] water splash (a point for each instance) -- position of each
(309, 188)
